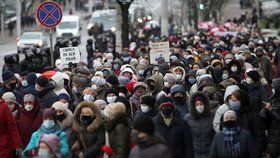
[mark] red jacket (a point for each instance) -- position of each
(29, 122)
(9, 136)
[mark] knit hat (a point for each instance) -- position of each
(198, 98)
(148, 100)
(139, 84)
(59, 106)
(63, 96)
(9, 97)
(127, 69)
(144, 124)
(200, 72)
(129, 86)
(99, 74)
(8, 76)
(98, 81)
(100, 103)
(112, 80)
(169, 77)
(215, 61)
(254, 75)
(49, 112)
(144, 62)
(111, 90)
(229, 113)
(123, 80)
(53, 143)
(165, 102)
(114, 110)
(259, 49)
(28, 98)
(42, 81)
(31, 78)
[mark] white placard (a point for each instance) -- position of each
(159, 50)
(70, 54)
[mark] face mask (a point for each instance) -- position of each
(249, 80)
(145, 109)
(167, 112)
(115, 66)
(37, 88)
(135, 138)
(24, 83)
(44, 153)
(11, 106)
(178, 76)
(60, 117)
(87, 119)
(199, 109)
(13, 85)
(229, 124)
(233, 69)
(48, 124)
(110, 60)
(66, 105)
(192, 80)
(225, 76)
(227, 61)
(94, 87)
(111, 99)
(28, 107)
(259, 55)
(166, 84)
(234, 105)
(178, 100)
(141, 72)
(126, 59)
(88, 97)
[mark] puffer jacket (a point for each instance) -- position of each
(118, 131)
(201, 126)
(47, 96)
(90, 139)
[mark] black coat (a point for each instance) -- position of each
(247, 145)
(16, 93)
(257, 95)
(177, 136)
(152, 113)
(47, 96)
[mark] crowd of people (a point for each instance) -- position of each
(217, 97)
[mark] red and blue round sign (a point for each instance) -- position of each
(49, 14)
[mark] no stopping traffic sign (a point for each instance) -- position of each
(49, 14)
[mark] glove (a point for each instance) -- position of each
(107, 150)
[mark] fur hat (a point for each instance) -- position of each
(144, 124)
(148, 100)
(98, 81)
(254, 75)
(114, 110)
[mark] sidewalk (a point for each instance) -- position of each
(7, 38)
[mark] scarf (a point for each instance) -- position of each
(230, 142)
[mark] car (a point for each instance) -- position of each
(29, 39)
(69, 28)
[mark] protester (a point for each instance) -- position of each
(49, 146)
(10, 100)
(179, 97)
(147, 107)
(10, 85)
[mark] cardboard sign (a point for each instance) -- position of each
(159, 51)
(70, 54)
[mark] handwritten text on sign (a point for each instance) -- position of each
(70, 54)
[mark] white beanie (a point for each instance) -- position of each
(113, 110)
(59, 106)
(9, 96)
(98, 81)
(229, 113)
(28, 98)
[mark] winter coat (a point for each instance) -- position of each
(258, 95)
(247, 146)
(135, 102)
(92, 137)
(35, 138)
(154, 147)
(67, 123)
(177, 136)
(157, 92)
(277, 62)
(182, 106)
(9, 136)
(223, 108)
(201, 126)
(29, 122)
(265, 65)
(47, 96)
(118, 131)
(152, 113)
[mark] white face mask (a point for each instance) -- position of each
(48, 124)
(37, 88)
(110, 60)
(199, 109)
(94, 87)
(178, 76)
(28, 107)
(166, 84)
(88, 97)
(234, 69)
(145, 109)
(66, 105)
(111, 99)
(249, 80)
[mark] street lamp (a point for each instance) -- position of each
(2, 7)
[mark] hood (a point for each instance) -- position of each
(181, 68)
(35, 110)
(230, 90)
(158, 79)
(206, 102)
(59, 81)
(77, 125)
(236, 63)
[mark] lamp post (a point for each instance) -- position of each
(2, 5)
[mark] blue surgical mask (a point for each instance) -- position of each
(141, 72)
(44, 153)
(225, 76)
(48, 124)
(24, 83)
(192, 80)
(234, 105)
(145, 109)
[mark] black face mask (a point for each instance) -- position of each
(167, 112)
(12, 85)
(259, 55)
(229, 124)
(60, 117)
(87, 119)
(178, 100)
